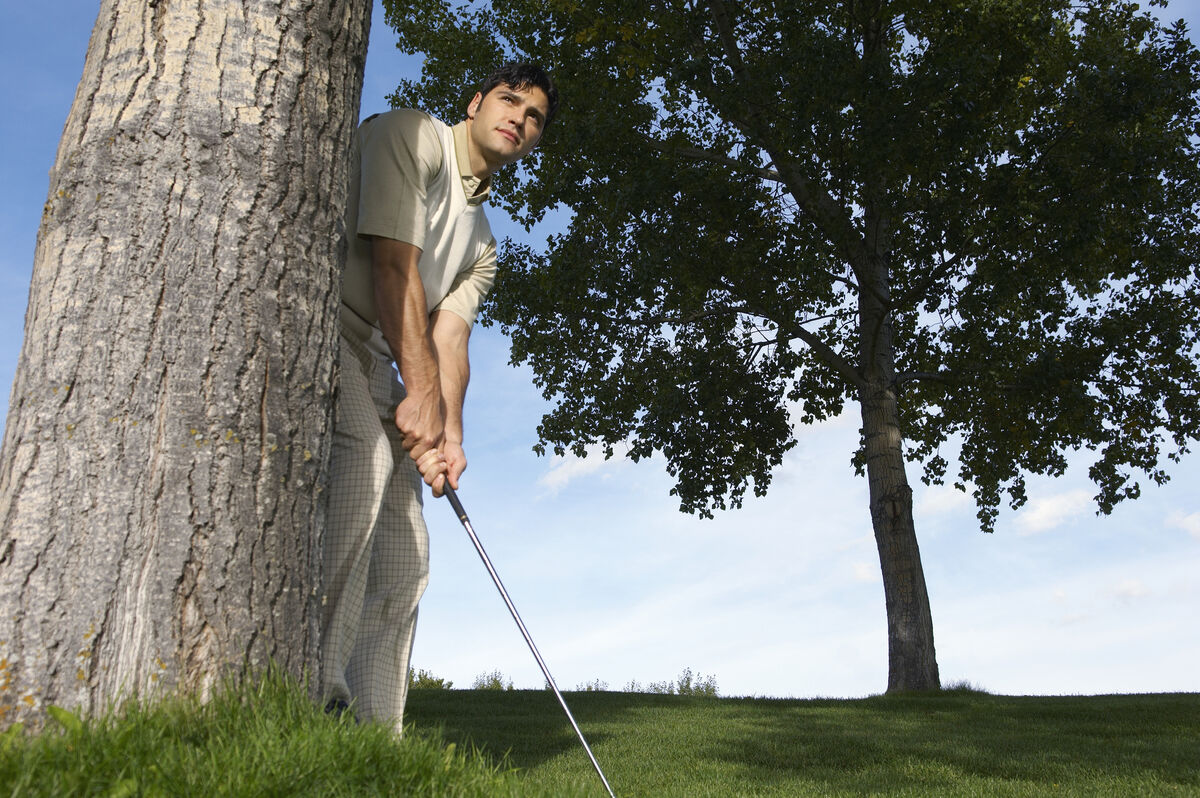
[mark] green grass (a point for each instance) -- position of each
(264, 740)
(959, 743)
(268, 740)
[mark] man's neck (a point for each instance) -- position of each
(479, 166)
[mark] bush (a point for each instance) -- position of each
(594, 686)
(424, 680)
(962, 686)
(688, 683)
(492, 681)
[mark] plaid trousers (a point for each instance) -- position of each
(376, 551)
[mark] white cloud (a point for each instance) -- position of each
(942, 499)
(567, 468)
(1041, 515)
(1188, 523)
(866, 572)
(1128, 590)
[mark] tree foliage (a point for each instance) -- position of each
(1013, 182)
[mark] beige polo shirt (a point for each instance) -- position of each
(411, 181)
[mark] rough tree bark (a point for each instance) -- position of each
(912, 659)
(161, 472)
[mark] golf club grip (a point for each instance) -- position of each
(455, 503)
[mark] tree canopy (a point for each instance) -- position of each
(1013, 183)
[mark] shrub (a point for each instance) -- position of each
(492, 681)
(963, 686)
(688, 683)
(594, 686)
(424, 680)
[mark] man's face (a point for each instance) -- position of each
(506, 123)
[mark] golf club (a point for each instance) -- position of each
(466, 522)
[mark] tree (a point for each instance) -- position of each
(166, 442)
(976, 221)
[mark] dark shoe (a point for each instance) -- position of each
(337, 707)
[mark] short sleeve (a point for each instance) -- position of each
(471, 286)
(400, 156)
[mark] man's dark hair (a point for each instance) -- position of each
(520, 75)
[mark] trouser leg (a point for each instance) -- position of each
(398, 574)
(360, 468)
(376, 554)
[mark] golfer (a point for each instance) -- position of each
(421, 259)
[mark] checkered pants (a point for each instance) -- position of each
(376, 555)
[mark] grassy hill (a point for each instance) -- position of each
(268, 740)
(949, 744)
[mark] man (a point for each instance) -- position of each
(420, 261)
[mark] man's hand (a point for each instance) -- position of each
(456, 464)
(432, 465)
(438, 466)
(421, 421)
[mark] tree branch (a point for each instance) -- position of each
(923, 376)
(824, 352)
(665, 318)
(918, 291)
(827, 355)
(729, 43)
(825, 211)
(696, 154)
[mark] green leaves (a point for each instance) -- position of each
(1012, 184)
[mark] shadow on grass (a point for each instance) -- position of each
(526, 726)
(937, 743)
(953, 744)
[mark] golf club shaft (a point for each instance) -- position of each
(466, 522)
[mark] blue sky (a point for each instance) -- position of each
(780, 598)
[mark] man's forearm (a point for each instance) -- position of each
(449, 335)
(403, 316)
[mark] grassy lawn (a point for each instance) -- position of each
(265, 740)
(269, 740)
(951, 744)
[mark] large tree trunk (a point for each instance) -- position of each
(166, 443)
(912, 661)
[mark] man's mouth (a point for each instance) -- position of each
(508, 134)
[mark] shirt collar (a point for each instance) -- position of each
(476, 190)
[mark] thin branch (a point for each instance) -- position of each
(666, 318)
(923, 376)
(827, 355)
(717, 158)
(824, 352)
(830, 216)
(729, 43)
(918, 292)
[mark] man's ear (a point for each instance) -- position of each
(473, 106)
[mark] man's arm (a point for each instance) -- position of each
(450, 324)
(404, 319)
(450, 335)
